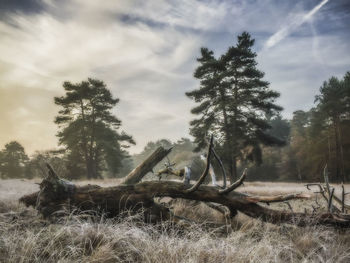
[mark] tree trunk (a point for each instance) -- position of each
(337, 150)
(90, 169)
(145, 167)
(231, 173)
(234, 132)
(228, 144)
(341, 152)
(234, 169)
(58, 195)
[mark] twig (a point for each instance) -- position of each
(290, 207)
(330, 206)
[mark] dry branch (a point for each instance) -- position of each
(224, 177)
(328, 193)
(114, 200)
(277, 198)
(341, 201)
(145, 167)
(56, 194)
(206, 171)
(236, 184)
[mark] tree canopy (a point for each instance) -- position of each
(89, 130)
(13, 160)
(233, 103)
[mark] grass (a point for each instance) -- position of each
(25, 237)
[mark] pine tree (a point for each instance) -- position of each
(13, 161)
(234, 101)
(88, 129)
(280, 128)
(333, 102)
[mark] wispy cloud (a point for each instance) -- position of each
(142, 66)
(146, 53)
(296, 22)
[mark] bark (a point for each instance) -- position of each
(58, 195)
(84, 145)
(234, 168)
(140, 171)
(227, 133)
(234, 137)
(337, 149)
(341, 152)
(114, 200)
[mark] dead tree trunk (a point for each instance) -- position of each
(56, 194)
(140, 171)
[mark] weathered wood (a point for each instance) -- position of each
(116, 199)
(277, 198)
(206, 171)
(236, 184)
(56, 194)
(145, 167)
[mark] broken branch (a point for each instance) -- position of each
(206, 171)
(236, 184)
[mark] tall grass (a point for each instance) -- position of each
(25, 237)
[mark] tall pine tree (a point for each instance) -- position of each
(89, 130)
(333, 103)
(13, 161)
(233, 103)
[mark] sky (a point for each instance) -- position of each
(145, 51)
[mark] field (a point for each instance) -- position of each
(26, 237)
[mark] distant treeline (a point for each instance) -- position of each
(233, 102)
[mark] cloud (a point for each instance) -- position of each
(146, 53)
(298, 77)
(42, 51)
(23, 6)
(296, 22)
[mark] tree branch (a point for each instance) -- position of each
(140, 171)
(236, 184)
(206, 171)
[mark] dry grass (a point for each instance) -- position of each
(25, 237)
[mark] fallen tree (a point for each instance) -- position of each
(57, 194)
